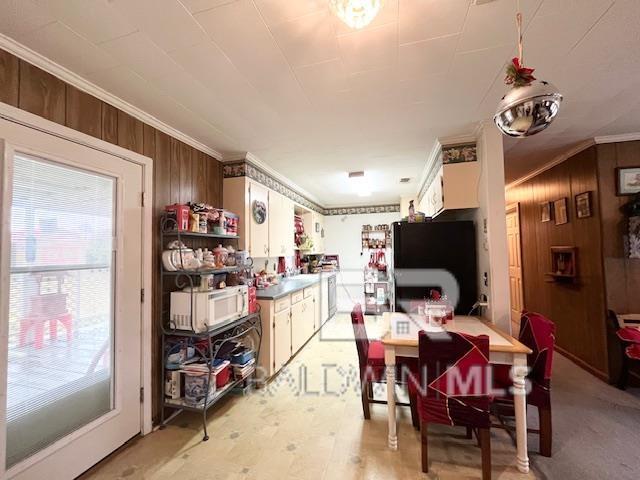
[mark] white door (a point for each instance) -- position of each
(515, 267)
(70, 315)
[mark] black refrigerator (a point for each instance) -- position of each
(423, 253)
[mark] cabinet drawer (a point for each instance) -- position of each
(297, 296)
(282, 304)
(308, 292)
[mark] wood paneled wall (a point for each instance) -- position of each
(578, 310)
(622, 274)
(181, 173)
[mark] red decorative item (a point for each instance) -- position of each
(518, 75)
(253, 300)
(435, 295)
(180, 213)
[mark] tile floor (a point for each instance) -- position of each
(287, 431)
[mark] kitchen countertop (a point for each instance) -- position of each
(290, 285)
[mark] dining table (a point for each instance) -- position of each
(400, 339)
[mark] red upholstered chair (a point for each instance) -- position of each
(371, 360)
(629, 346)
(538, 333)
(453, 388)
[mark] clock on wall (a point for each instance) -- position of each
(259, 211)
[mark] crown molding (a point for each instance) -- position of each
(554, 161)
(604, 139)
(66, 75)
(625, 137)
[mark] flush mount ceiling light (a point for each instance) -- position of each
(531, 105)
(360, 184)
(356, 14)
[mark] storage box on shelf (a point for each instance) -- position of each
(201, 322)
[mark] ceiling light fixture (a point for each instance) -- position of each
(531, 105)
(356, 14)
(360, 185)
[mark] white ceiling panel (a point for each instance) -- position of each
(195, 6)
(276, 11)
(239, 31)
(291, 83)
(168, 23)
(64, 46)
(20, 17)
(140, 54)
(370, 49)
(494, 24)
(95, 20)
(307, 40)
(426, 19)
(322, 79)
(429, 57)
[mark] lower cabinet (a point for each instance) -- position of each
(287, 324)
(302, 323)
(281, 338)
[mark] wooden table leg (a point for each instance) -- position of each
(520, 402)
(390, 362)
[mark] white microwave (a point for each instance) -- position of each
(210, 309)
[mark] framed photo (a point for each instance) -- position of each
(560, 211)
(583, 205)
(628, 179)
(545, 212)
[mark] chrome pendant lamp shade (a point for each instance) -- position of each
(527, 110)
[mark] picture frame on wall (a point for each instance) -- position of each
(545, 212)
(627, 180)
(560, 211)
(583, 205)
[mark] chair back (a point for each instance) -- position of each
(360, 334)
(538, 333)
(456, 390)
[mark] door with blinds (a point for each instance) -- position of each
(70, 313)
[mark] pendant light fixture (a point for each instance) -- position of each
(531, 105)
(356, 14)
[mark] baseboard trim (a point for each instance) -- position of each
(584, 365)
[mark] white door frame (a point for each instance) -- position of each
(35, 122)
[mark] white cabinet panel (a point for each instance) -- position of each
(258, 233)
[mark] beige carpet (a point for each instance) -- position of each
(309, 425)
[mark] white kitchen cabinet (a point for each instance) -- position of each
(452, 186)
(281, 338)
(298, 329)
(274, 237)
(258, 232)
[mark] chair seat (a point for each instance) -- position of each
(633, 351)
(375, 354)
(629, 334)
(376, 364)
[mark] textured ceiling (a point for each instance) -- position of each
(288, 82)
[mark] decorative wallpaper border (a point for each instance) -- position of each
(459, 153)
(360, 210)
(244, 168)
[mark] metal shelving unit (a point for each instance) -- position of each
(215, 338)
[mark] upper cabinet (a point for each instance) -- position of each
(314, 228)
(266, 217)
(450, 186)
(281, 239)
